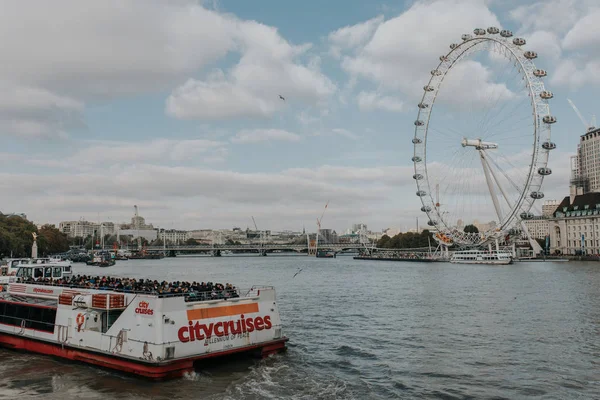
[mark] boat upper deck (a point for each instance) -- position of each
(191, 291)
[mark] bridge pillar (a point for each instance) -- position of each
(171, 253)
(216, 253)
(262, 253)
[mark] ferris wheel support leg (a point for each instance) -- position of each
(488, 180)
(535, 246)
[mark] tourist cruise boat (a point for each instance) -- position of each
(482, 257)
(154, 336)
(12, 265)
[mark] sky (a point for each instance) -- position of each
(174, 105)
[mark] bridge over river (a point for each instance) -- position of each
(261, 248)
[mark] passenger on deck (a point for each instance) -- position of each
(192, 291)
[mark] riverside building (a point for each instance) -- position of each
(575, 225)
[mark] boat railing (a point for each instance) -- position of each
(205, 295)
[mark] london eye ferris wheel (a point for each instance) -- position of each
(482, 156)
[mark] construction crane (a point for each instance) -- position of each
(588, 127)
(137, 227)
(259, 232)
(319, 223)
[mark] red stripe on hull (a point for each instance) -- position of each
(161, 371)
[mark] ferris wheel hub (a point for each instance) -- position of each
(478, 144)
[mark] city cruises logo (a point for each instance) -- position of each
(143, 308)
(223, 330)
(42, 290)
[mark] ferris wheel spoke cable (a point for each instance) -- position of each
(514, 123)
(485, 116)
(505, 115)
(502, 115)
(517, 187)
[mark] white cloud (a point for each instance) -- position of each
(352, 36)
(373, 100)
(469, 86)
(267, 69)
(404, 49)
(156, 151)
(546, 44)
(344, 132)
(104, 49)
(584, 34)
(37, 113)
(555, 15)
(111, 49)
(205, 196)
(263, 135)
(216, 99)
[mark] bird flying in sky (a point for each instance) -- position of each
(300, 270)
(281, 97)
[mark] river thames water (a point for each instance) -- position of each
(372, 330)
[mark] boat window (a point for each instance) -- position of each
(20, 272)
(28, 272)
(38, 273)
(48, 272)
(56, 272)
(68, 268)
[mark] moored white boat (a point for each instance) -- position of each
(498, 257)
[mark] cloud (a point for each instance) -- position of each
(404, 49)
(584, 34)
(171, 192)
(555, 15)
(352, 36)
(368, 101)
(37, 113)
(345, 133)
(108, 49)
(157, 151)
(267, 69)
(263, 135)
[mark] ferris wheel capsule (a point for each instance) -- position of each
(417, 177)
(530, 55)
(443, 58)
(549, 119)
(537, 195)
(519, 41)
(416, 159)
(466, 37)
(421, 193)
(506, 33)
(428, 88)
(546, 95)
(493, 30)
(453, 46)
(431, 223)
(416, 140)
(540, 73)
(479, 32)
(436, 72)
(423, 105)
(526, 215)
(549, 145)
(419, 123)
(426, 209)
(544, 171)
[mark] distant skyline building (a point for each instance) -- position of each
(585, 166)
(83, 229)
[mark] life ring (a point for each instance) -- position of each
(79, 320)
